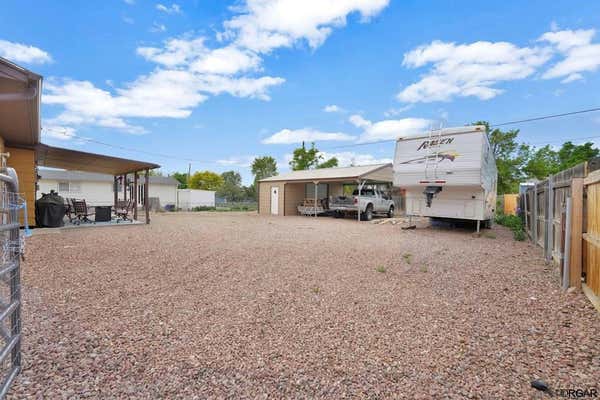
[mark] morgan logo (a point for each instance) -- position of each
(435, 142)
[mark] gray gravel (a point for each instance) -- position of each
(228, 305)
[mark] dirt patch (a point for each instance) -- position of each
(212, 305)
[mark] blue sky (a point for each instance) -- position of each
(220, 82)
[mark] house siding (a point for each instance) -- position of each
(23, 161)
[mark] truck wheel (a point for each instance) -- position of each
(391, 212)
(368, 214)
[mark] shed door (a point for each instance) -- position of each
(274, 200)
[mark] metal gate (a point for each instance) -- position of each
(10, 279)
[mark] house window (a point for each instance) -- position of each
(63, 187)
(69, 187)
(75, 187)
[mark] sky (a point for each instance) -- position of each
(216, 83)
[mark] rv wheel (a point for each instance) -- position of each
(338, 214)
(391, 212)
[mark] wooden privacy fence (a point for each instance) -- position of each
(592, 234)
(562, 216)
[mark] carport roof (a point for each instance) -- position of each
(377, 172)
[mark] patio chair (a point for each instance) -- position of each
(123, 209)
(69, 211)
(82, 211)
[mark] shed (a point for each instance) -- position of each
(281, 194)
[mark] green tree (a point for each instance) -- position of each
(304, 158)
(206, 180)
(231, 189)
(541, 163)
(570, 154)
(182, 178)
(510, 157)
(263, 167)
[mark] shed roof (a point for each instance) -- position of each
(63, 175)
(56, 157)
(376, 172)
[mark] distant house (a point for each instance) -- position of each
(97, 189)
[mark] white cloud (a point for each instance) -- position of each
(347, 158)
(22, 53)
(580, 54)
(572, 78)
(393, 112)
(157, 28)
(161, 94)
(172, 9)
(332, 108)
(58, 132)
(265, 25)
(288, 136)
(188, 71)
(462, 70)
(237, 161)
(388, 129)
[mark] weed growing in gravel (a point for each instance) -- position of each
(489, 235)
(407, 257)
(316, 290)
(514, 223)
(423, 268)
(381, 269)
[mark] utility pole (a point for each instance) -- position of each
(189, 174)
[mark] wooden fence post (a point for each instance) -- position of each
(576, 232)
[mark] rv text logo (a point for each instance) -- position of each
(435, 142)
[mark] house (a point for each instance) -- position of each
(98, 189)
(21, 148)
(281, 194)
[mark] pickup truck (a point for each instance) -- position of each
(370, 202)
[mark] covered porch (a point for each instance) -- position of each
(130, 184)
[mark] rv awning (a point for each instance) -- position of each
(56, 157)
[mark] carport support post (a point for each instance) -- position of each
(316, 183)
(146, 202)
(135, 195)
(360, 188)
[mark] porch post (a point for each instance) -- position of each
(316, 183)
(135, 195)
(115, 190)
(146, 200)
(124, 188)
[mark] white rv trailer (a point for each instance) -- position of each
(448, 173)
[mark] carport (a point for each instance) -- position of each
(282, 194)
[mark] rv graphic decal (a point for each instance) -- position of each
(439, 157)
(435, 142)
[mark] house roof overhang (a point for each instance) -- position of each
(57, 157)
(20, 93)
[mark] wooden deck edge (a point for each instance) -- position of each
(595, 300)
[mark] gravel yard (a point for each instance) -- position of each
(234, 305)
